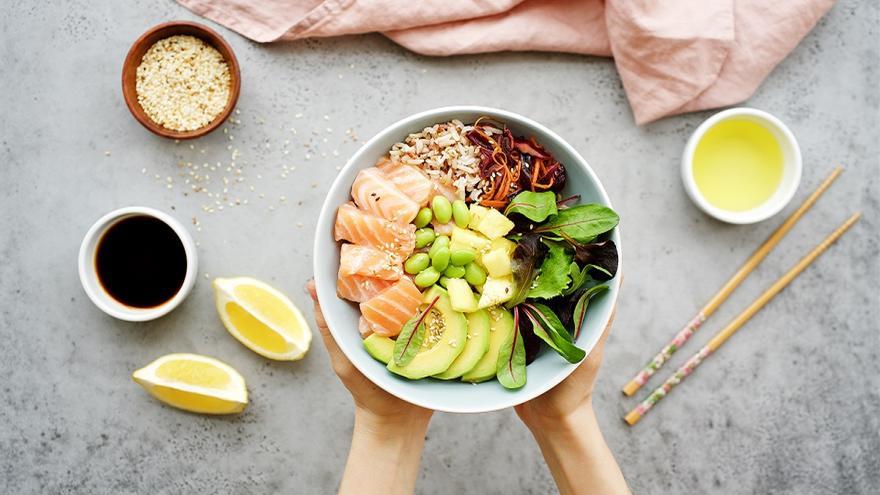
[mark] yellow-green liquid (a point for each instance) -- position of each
(737, 165)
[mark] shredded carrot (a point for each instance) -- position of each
(511, 164)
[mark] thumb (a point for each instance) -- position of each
(329, 342)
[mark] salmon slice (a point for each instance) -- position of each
(442, 228)
(409, 179)
(360, 227)
(369, 262)
(357, 288)
(447, 190)
(364, 328)
(374, 192)
(390, 310)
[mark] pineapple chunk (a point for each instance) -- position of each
(503, 243)
(461, 296)
(494, 224)
(496, 291)
(478, 213)
(464, 238)
(497, 263)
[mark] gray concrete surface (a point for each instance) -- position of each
(790, 405)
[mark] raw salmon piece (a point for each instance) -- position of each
(360, 227)
(374, 192)
(441, 228)
(447, 190)
(409, 179)
(358, 288)
(369, 262)
(364, 327)
(390, 310)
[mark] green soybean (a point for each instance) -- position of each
(424, 237)
(439, 242)
(460, 213)
(461, 257)
(417, 263)
(443, 281)
(442, 209)
(474, 274)
(423, 218)
(454, 272)
(440, 260)
(427, 277)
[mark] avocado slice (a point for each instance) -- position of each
(476, 347)
(379, 347)
(441, 348)
(500, 329)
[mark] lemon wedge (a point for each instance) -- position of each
(194, 383)
(262, 318)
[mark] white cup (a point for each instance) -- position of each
(791, 167)
(88, 274)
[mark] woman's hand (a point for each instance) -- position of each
(389, 434)
(564, 425)
(575, 392)
(369, 399)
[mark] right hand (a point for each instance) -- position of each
(572, 394)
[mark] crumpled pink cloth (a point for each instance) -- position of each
(673, 56)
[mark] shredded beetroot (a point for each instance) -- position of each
(513, 164)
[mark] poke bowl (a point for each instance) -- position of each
(529, 256)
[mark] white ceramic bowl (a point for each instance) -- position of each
(342, 316)
(88, 275)
(791, 167)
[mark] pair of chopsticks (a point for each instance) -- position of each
(685, 334)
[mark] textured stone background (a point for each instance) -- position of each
(790, 405)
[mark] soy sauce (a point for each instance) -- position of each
(141, 261)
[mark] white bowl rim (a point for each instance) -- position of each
(325, 292)
(104, 301)
(762, 212)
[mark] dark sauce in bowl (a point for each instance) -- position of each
(141, 261)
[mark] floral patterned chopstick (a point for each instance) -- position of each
(688, 367)
(685, 334)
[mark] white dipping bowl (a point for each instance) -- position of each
(342, 316)
(791, 167)
(88, 274)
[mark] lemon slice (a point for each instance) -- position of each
(194, 383)
(262, 318)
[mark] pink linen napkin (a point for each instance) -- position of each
(673, 56)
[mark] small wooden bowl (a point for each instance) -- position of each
(148, 39)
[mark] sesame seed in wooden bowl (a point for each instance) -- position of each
(181, 80)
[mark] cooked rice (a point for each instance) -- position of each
(444, 152)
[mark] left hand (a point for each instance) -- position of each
(373, 405)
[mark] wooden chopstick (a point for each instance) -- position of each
(754, 260)
(688, 367)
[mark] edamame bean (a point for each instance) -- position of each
(460, 213)
(440, 260)
(423, 218)
(454, 272)
(439, 242)
(474, 274)
(443, 281)
(417, 263)
(461, 257)
(442, 209)
(427, 277)
(424, 237)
